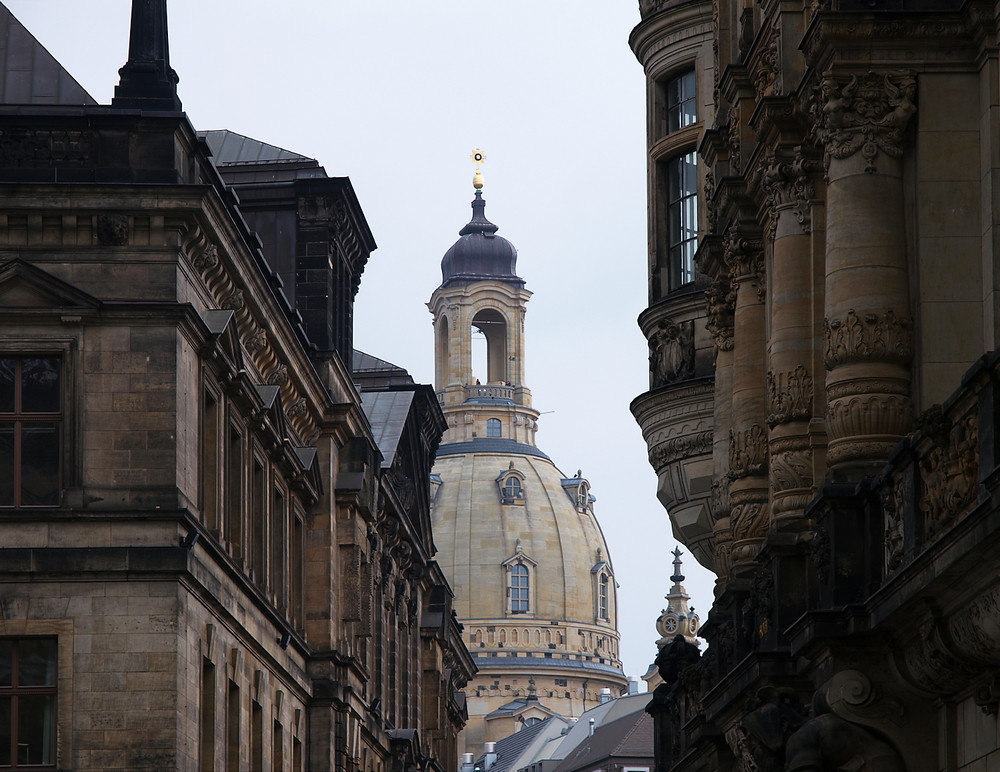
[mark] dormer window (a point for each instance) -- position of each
(510, 486)
(519, 570)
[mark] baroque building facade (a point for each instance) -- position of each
(520, 543)
(215, 541)
(822, 411)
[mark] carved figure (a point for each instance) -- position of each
(672, 352)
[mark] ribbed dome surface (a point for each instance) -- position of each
(475, 533)
(479, 254)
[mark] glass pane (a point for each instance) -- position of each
(36, 662)
(6, 385)
(5, 731)
(40, 385)
(6, 464)
(40, 450)
(6, 661)
(36, 725)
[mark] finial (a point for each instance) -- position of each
(148, 82)
(479, 157)
(678, 577)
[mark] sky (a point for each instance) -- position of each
(396, 95)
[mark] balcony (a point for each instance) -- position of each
(489, 391)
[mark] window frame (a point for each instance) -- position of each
(63, 350)
(16, 691)
(518, 560)
(681, 218)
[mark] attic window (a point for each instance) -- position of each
(510, 486)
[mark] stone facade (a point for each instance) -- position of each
(207, 561)
(520, 543)
(823, 429)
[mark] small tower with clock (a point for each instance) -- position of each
(678, 618)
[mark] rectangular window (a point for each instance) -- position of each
(519, 589)
(258, 524)
(210, 463)
(277, 747)
(296, 755)
(297, 534)
(279, 517)
(206, 738)
(234, 492)
(682, 217)
(256, 736)
(27, 702)
(31, 431)
(681, 101)
(233, 728)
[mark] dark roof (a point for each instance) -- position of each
(29, 74)
(387, 412)
(510, 748)
(515, 706)
(536, 663)
(370, 372)
(229, 148)
(479, 254)
(491, 445)
(628, 737)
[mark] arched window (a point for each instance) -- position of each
(493, 427)
(602, 601)
(512, 488)
(519, 589)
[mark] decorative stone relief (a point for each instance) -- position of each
(711, 210)
(892, 511)
(297, 409)
(747, 452)
(791, 470)
(748, 521)
(233, 301)
(721, 299)
(790, 186)
(277, 376)
(950, 475)
(868, 336)
(206, 258)
(256, 342)
(868, 113)
(112, 230)
(789, 396)
(671, 355)
(680, 447)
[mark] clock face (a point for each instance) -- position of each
(670, 624)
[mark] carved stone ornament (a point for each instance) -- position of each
(711, 209)
(233, 301)
(869, 113)
(789, 396)
(671, 352)
(950, 475)
(766, 72)
(721, 299)
(112, 230)
(747, 452)
(790, 186)
(748, 521)
(891, 497)
(277, 376)
(206, 258)
(735, 161)
(297, 409)
(791, 470)
(256, 342)
(745, 260)
(680, 447)
(869, 336)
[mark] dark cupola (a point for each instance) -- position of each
(148, 82)
(480, 255)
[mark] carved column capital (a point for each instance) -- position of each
(744, 256)
(789, 186)
(866, 113)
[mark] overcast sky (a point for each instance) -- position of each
(396, 95)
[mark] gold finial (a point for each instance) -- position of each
(479, 157)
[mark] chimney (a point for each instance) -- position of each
(633, 684)
(147, 80)
(604, 696)
(468, 762)
(489, 756)
(592, 727)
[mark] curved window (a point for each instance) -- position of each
(518, 589)
(493, 427)
(682, 217)
(680, 101)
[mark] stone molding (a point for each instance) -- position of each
(869, 113)
(680, 447)
(868, 336)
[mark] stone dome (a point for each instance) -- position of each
(479, 254)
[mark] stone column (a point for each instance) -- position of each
(748, 437)
(868, 327)
(721, 301)
(790, 367)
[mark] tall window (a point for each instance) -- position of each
(27, 702)
(602, 600)
(680, 101)
(492, 427)
(519, 588)
(31, 427)
(682, 217)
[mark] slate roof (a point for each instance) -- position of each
(491, 445)
(510, 749)
(229, 148)
(628, 737)
(387, 412)
(602, 714)
(29, 74)
(370, 372)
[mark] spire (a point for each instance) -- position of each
(147, 80)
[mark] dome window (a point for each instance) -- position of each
(519, 575)
(604, 590)
(510, 486)
(493, 427)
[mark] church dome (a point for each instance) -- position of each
(479, 254)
